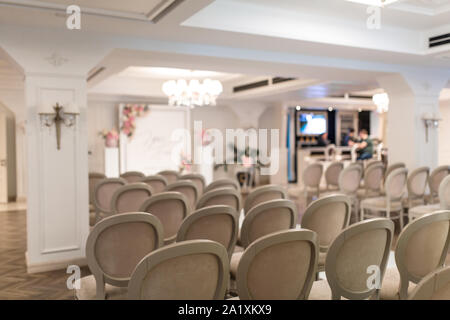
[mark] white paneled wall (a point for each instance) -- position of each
(444, 133)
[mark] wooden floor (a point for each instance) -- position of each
(15, 282)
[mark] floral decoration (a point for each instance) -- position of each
(129, 114)
(185, 162)
(111, 137)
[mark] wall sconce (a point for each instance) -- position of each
(56, 115)
(431, 121)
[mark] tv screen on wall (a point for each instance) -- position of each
(312, 123)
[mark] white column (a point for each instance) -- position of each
(58, 213)
(412, 95)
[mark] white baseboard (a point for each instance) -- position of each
(53, 265)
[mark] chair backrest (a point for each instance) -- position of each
(188, 188)
(312, 175)
(350, 179)
(108, 247)
(170, 208)
(417, 182)
(189, 270)
(132, 176)
(373, 176)
(435, 286)
(327, 216)
(373, 162)
(223, 183)
(422, 248)
(332, 173)
(356, 253)
(263, 194)
(221, 196)
(278, 266)
(215, 223)
(444, 193)
(156, 182)
(130, 197)
(392, 167)
(196, 178)
(395, 184)
(94, 178)
(267, 217)
(104, 191)
(436, 177)
(170, 175)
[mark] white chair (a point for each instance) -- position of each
(392, 202)
(170, 175)
(434, 181)
(130, 197)
(156, 182)
(196, 178)
(132, 176)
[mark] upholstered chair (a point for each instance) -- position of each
(263, 194)
(373, 162)
(416, 186)
(327, 216)
(421, 249)
(358, 253)
(332, 176)
(392, 202)
(170, 208)
(444, 202)
(373, 178)
(223, 183)
(94, 178)
(311, 177)
(170, 175)
(435, 286)
(130, 197)
(196, 178)
(434, 181)
(392, 167)
(103, 194)
(189, 270)
(156, 182)
(188, 188)
(132, 176)
(221, 196)
(278, 266)
(267, 217)
(216, 223)
(113, 249)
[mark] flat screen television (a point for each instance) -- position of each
(312, 123)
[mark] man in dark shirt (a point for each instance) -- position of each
(349, 138)
(365, 146)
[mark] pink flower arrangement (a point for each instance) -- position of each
(185, 162)
(207, 139)
(111, 137)
(129, 114)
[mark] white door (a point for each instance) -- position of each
(3, 159)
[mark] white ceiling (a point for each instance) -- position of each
(134, 6)
(174, 73)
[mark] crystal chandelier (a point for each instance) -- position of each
(381, 100)
(194, 93)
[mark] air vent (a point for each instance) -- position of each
(95, 72)
(280, 80)
(439, 40)
(252, 85)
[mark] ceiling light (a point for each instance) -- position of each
(298, 108)
(330, 109)
(381, 100)
(194, 93)
(378, 3)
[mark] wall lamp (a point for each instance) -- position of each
(58, 115)
(431, 121)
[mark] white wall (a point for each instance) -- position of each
(444, 133)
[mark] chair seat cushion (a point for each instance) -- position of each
(361, 194)
(414, 202)
(390, 285)
(235, 258)
(421, 210)
(380, 203)
(322, 257)
(320, 290)
(88, 290)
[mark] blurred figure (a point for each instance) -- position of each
(323, 140)
(365, 146)
(349, 139)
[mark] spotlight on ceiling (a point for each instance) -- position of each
(298, 108)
